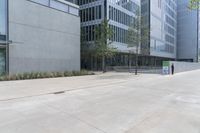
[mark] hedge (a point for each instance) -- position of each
(40, 75)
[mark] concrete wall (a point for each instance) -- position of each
(44, 39)
(184, 66)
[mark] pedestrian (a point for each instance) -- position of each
(172, 68)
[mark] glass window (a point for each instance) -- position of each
(2, 17)
(73, 10)
(59, 6)
(62, 6)
(43, 2)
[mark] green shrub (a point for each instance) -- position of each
(12, 77)
(37, 75)
(68, 74)
(1, 78)
(85, 72)
(75, 73)
(26, 76)
(59, 74)
(51, 75)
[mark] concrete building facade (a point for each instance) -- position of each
(39, 36)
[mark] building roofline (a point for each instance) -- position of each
(68, 3)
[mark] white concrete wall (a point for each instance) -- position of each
(44, 39)
(184, 66)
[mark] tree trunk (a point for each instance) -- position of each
(91, 62)
(95, 63)
(136, 64)
(103, 64)
(136, 61)
(130, 61)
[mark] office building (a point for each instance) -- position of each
(188, 33)
(120, 14)
(39, 36)
(160, 16)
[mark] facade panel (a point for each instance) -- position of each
(43, 38)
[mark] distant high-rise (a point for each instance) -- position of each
(188, 32)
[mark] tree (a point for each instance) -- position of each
(103, 47)
(194, 4)
(138, 34)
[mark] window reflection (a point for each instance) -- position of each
(2, 19)
(62, 6)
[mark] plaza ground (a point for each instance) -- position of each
(103, 103)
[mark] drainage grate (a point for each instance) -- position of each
(59, 92)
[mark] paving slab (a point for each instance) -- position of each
(105, 103)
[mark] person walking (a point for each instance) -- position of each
(172, 68)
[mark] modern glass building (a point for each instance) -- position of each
(188, 33)
(120, 14)
(39, 36)
(159, 15)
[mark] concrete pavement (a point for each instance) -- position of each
(106, 103)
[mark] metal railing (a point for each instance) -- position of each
(141, 69)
